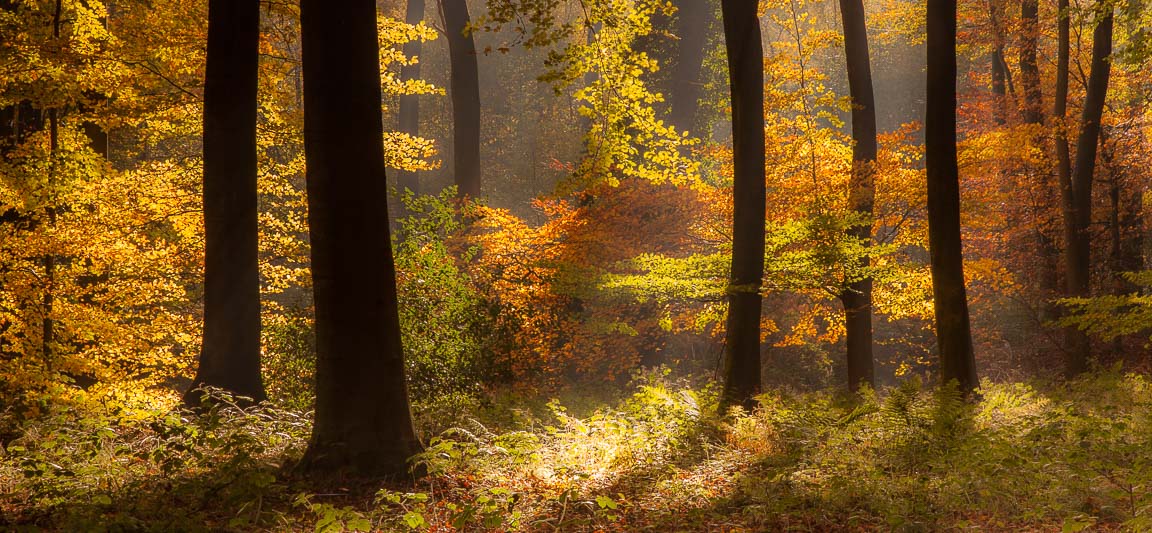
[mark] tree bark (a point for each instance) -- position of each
(857, 299)
(953, 328)
(1078, 190)
(1033, 111)
(409, 107)
(48, 322)
(999, 68)
(363, 423)
(465, 87)
(1060, 138)
(746, 78)
(230, 353)
(693, 21)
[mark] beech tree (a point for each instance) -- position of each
(230, 352)
(746, 81)
(953, 326)
(1033, 108)
(465, 89)
(363, 423)
(693, 21)
(1077, 190)
(857, 298)
(409, 106)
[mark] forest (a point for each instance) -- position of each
(575, 265)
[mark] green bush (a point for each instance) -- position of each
(446, 324)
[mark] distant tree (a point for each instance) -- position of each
(679, 44)
(1029, 69)
(465, 88)
(1000, 73)
(409, 107)
(1077, 191)
(953, 326)
(363, 423)
(857, 299)
(230, 352)
(746, 79)
(1032, 112)
(1060, 136)
(693, 24)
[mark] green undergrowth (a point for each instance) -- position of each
(1023, 457)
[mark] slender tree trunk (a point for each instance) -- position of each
(363, 423)
(1033, 110)
(953, 328)
(230, 355)
(48, 322)
(1115, 229)
(857, 299)
(999, 67)
(746, 77)
(693, 22)
(410, 103)
(1033, 113)
(1078, 191)
(1060, 139)
(465, 87)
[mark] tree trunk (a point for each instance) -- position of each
(953, 328)
(363, 424)
(693, 21)
(230, 355)
(1033, 111)
(999, 68)
(1078, 190)
(409, 107)
(48, 322)
(746, 78)
(1060, 139)
(465, 87)
(857, 299)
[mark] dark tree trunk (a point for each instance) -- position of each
(1060, 139)
(1078, 190)
(1033, 113)
(465, 88)
(693, 21)
(1033, 110)
(48, 322)
(1060, 97)
(230, 355)
(999, 68)
(857, 299)
(953, 328)
(746, 75)
(363, 423)
(410, 103)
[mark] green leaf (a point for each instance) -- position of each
(414, 520)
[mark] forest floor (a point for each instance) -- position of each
(1024, 457)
